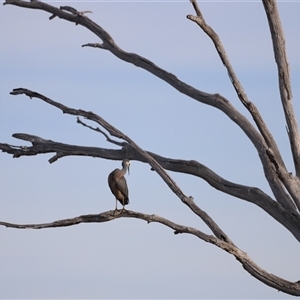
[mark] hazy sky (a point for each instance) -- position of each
(129, 258)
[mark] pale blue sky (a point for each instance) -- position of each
(129, 258)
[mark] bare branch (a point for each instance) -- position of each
(214, 100)
(275, 170)
(199, 19)
(42, 146)
(152, 162)
(284, 81)
(285, 177)
(292, 288)
(206, 174)
(139, 61)
(290, 220)
(122, 144)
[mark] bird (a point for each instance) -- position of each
(118, 184)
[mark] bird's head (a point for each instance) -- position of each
(126, 164)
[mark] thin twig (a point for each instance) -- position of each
(97, 129)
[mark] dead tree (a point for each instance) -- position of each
(283, 205)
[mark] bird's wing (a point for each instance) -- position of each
(111, 182)
(122, 186)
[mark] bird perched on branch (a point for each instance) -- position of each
(118, 184)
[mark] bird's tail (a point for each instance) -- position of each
(126, 200)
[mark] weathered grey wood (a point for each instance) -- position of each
(273, 169)
(289, 219)
(285, 179)
(292, 288)
(152, 162)
(285, 93)
(285, 186)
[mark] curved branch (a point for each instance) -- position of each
(292, 288)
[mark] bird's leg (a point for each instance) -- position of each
(123, 206)
(116, 209)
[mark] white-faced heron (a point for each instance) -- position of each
(118, 185)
